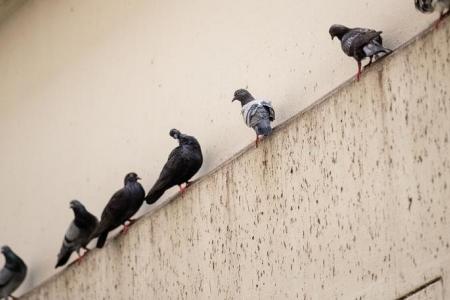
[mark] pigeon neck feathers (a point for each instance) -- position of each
(187, 140)
(247, 100)
(135, 188)
(83, 218)
(13, 262)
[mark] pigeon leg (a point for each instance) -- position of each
(126, 226)
(182, 188)
(358, 75)
(131, 222)
(441, 18)
(257, 140)
(80, 257)
(370, 63)
(14, 298)
(125, 229)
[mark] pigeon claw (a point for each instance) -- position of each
(80, 259)
(182, 188)
(441, 18)
(127, 225)
(258, 140)
(125, 229)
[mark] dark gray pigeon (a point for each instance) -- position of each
(359, 43)
(257, 114)
(78, 234)
(13, 273)
(429, 6)
(183, 162)
(120, 208)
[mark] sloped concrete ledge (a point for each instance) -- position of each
(347, 200)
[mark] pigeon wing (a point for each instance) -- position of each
(167, 178)
(111, 215)
(72, 234)
(5, 276)
(268, 106)
(362, 39)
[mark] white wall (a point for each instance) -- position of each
(90, 89)
(351, 202)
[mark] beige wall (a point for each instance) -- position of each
(90, 89)
(348, 200)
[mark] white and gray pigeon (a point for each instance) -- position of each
(359, 43)
(13, 273)
(429, 6)
(257, 114)
(78, 234)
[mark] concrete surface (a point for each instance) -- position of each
(8, 7)
(347, 200)
(90, 89)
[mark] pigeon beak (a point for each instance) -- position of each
(138, 178)
(233, 99)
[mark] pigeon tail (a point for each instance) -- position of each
(63, 256)
(263, 128)
(102, 239)
(374, 48)
(154, 195)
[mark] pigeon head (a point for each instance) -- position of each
(8, 253)
(425, 6)
(75, 204)
(6, 250)
(243, 96)
(338, 31)
(131, 177)
(183, 139)
(175, 133)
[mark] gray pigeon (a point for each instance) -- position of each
(78, 234)
(183, 162)
(257, 114)
(13, 273)
(359, 43)
(429, 6)
(120, 208)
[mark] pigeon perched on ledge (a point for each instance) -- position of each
(257, 114)
(429, 6)
(183, 162)
(13, 273)
(120, 208)
(359, 43)
(78, 234)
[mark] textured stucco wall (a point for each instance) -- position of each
(90, 89)
(347, 200)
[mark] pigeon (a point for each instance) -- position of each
(257, 114)
(78, 234)
(183, 162)
(429, 6)
(359, 43)
(13, 273)
(120, 208)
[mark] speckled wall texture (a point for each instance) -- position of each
(347, 200)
